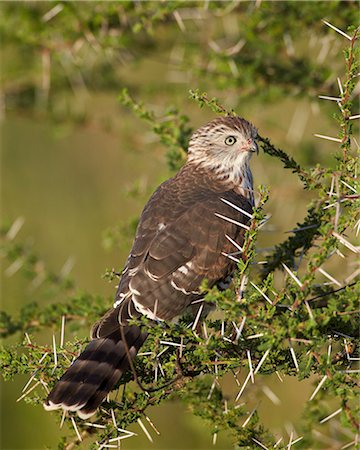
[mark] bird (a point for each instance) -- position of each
(187, 233)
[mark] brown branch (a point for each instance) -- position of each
(350, 417)
(345, 142)
(323, 303)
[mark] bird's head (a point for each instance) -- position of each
(225, 144)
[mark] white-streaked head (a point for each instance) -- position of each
(224, 145)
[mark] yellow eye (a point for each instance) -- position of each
(230, 140)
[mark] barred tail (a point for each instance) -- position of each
(95, 372)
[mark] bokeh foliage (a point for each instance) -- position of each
(255, 56)
(278, 316)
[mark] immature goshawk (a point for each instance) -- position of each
(185, 234)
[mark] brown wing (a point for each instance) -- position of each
(179, 242)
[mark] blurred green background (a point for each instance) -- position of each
(75, 162)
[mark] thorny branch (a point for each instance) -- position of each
(345, 93)
(253, 335)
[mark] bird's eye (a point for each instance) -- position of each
(230, 140)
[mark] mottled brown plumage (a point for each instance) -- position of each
(184, 234)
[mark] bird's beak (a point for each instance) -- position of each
(251, 147)
(254, 148)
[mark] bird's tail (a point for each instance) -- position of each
(96, 371)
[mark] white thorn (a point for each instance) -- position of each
(352, 275)
(201, 307)
(119, 438)
(174, 344)
(243, 386)
(211, 389)
(15, 228)
(67, 267)
(329, 353)
(326, 97)
(337, 30)
(346, 242)
(94, 425)
(338, 411)
(222, 328)
(45, 386)
(348, 186)
(318, 387)
(241, 327)
(76, 429)
(340, 86)
(164, 350)
(329, 138)
(28, 392)
(293, 276)
(43, 357)
(214, 438)
(52, 12)
(237, 208)
(179, 21)
(235, 222)
(152, 425)
(271, 396)
(205, 331)
(332, 186)
(230, 257)
(357, 227)
(63, 417)
(290, 441)
(259, 443)
(293, 355)
(161, 369)
(14, 267)
(261, 292)
(236, 327)
(62, 335)
(55, 352)
(255, 336)
(243, 283)
(346, 347)
(234, 243)
(147, 434)
(113, 418)
(250, 366)
(279, 376)
(309, 310)
(354, 442)
(156, 307)
(248, 418)
(30, 380)
(182, 346)
(261, 361)
(329, 277)
(297, 440)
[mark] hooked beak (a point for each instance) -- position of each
(254, 148)
(251, 147)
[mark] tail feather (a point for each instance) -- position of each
(95, 372)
